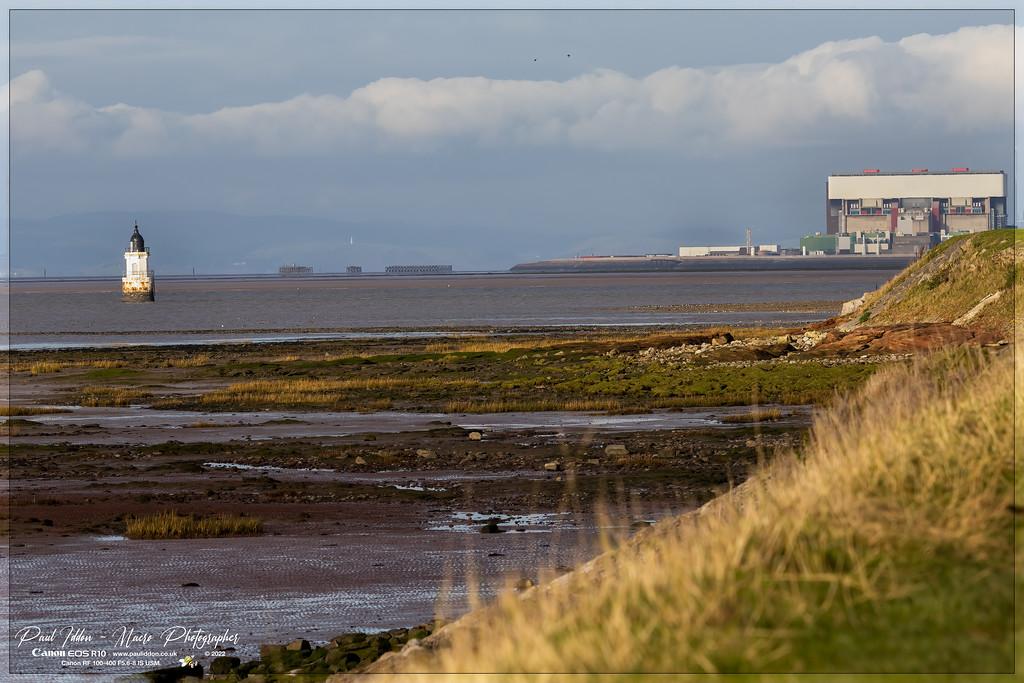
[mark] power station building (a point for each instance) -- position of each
(917, 202)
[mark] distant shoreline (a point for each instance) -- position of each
(613, 266)
(714, 263)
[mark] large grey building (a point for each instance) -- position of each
(915, 202)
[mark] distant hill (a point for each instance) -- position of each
(214, 242)
(968, 281)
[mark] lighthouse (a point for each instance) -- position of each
(137, 283)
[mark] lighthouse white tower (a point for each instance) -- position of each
(137, 283)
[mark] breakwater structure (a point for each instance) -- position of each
(597, 264)
(137, 284)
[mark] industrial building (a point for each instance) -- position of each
(760, 249)
(294, 270)
(418, 270)
(906, 212)
(915, 202)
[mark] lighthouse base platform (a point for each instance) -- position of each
(137, 296)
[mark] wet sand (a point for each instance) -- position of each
(347, 546)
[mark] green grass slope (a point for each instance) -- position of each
(886, 546)
(948, 282)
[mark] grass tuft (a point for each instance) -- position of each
(175, 525)
(15, 411)
(92, 397)
(769, 415)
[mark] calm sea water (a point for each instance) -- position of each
(70, 314)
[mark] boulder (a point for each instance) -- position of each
(738, 352)
(905, 338)
(347, 641)
(615, 449)
(722, 339)
(299, 644)
(360, 460)
(426, 454)
(267, 651)
(341, 660)
(475, 436)
(553, 466)
(224, 665)
(851, 306)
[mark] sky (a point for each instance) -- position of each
(496, 137)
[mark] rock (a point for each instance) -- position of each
(904, 338)
(524, 583)
(346, 640)
(851, 306)
(475, 436)
(267, 651)
(360, 460)
(737, 352)
(299, 644)
(593, 461)
(553, 466)
(381, 643)
(341, 660)
(369, 437)
(491, 528)
(615, 449)
(971, 314)
(190, 584)
(640, 523)
(224, 665)
(426, 454)
(722, 339)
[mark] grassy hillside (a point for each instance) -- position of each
(885, 545)
(949, 281)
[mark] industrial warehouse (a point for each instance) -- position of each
(906, 211)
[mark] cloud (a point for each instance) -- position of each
(921, 85)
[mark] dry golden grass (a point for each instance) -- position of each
(104, 364)
(175, 525)
(876, 542)
(15, 411)
(193, 360)
(111, 396)
(528, 406)
(309, 391)
(477, 345)
(766, 415)
(42, 367)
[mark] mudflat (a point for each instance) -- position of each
(394, 478)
